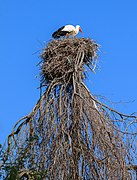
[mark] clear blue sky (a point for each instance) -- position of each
(26, 24)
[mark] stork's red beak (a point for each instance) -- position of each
(80, 30)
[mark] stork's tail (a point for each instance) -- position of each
(57, 34)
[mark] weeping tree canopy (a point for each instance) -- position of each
(70, 134)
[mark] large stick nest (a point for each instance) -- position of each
(60, 57)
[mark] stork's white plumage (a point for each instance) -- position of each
(68, 30)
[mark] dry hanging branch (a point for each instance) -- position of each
(70, 134)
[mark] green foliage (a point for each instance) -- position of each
(11, 172)
(18, 170)
(32, 174)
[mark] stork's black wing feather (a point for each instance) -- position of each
(59, 33)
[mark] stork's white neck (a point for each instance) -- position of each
(77, 29)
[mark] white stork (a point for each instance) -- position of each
(68, 30)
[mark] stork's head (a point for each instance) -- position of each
(79, 28)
